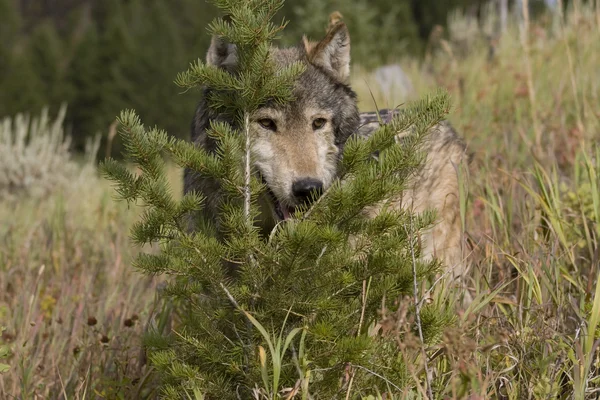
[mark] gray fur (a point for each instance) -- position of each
(434, 187)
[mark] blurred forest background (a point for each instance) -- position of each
(101, 56)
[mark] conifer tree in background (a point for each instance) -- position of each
(9, 28)
(383, 31)
(299, 313)
(20, 86)
(102, 56)
(47, 50)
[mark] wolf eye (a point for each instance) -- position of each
(319, 123)
(268, 124)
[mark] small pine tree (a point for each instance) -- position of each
(299, 314)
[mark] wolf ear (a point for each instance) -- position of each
(333, 52)
(334, 18)
(221, 54)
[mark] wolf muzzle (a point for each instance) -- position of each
(306, 189)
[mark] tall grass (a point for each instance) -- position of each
(72, 306)
(532, 215)
(74, 309)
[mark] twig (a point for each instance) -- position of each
(247, 177)
(379, 376)
(247, 197)
(230, 297)
(418, 311)
(364, 304)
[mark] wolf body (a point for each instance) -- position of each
(436, 186)
(296, 147)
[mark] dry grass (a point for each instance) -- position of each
(532, 233)
(530, 117)
(73, 307)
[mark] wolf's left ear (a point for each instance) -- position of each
(333, 52)
(221, 54)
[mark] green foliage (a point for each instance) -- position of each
(9, 29)
(431, 12)
(47, 49)
(211, 350)
(362, 264)
(101, 57)
(110, 54)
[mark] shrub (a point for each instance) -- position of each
(35, 159)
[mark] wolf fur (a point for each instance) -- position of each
(434, 187)
(296, 147)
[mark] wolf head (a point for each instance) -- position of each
(296, 146)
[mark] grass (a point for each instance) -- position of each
(74, 309)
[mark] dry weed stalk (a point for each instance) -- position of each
(529, 74)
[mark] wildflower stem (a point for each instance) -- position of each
(418, 312)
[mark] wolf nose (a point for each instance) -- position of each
(302, 189)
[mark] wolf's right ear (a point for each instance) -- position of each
(333, 52)
(221, 54)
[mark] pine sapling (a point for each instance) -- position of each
(293, 313)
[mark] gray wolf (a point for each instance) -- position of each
(296, 147)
